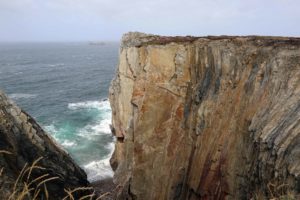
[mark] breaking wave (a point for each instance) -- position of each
(86, 136)
(101, 105)
(97, 170)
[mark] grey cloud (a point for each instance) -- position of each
(108, 19)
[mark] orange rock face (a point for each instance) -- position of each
(206, 118)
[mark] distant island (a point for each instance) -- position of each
(97, 43)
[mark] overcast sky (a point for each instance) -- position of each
(89, 20)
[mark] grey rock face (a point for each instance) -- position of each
(24, 142)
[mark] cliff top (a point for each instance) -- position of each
(137, 39)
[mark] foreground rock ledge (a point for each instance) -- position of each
(206, 117)
(23, 141)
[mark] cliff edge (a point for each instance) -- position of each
(31, 163)
(206, 117)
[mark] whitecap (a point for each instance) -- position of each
(68, 143)
(50, 128)
(103, 126)
(53, 136)
(16, 96)
(53, 132)
(85, 105)
(97, 170)
(56, 65)
(110, 147)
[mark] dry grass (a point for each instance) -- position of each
(27, 188)
(281, 191)
(5, 152)
(103, 195)
(276, 191)
(31, 189)
(71, 192)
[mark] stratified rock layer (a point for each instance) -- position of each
(23, 141)
(206, 117)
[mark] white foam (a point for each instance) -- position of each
(56, 65)
(53, 135)
(97, 170)
(21, 96)
(53, 132)
(68, 143)
(63, 143)
(51, 129)
(101, 128)
(111, 148)
(101, 105)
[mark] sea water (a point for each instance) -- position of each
(64, 86)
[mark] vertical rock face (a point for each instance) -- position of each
(210, 117)
(23, 141)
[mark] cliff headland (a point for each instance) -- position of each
(206, 117)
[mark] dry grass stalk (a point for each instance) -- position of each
(46, 191)
(38, 178)
(25, 192)
(276, 192)
(36, 193)
(90, 196)
(71, 192)
(1, 171)
(33, 166)
(19, 177)
(25, 188)
(5, 152)
(47, 180)
(103, 195)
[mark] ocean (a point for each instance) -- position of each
(64, 86)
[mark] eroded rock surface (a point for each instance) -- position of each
(23, 141)
(206, 117)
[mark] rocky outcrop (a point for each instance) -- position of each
(206, 117)
(22, 142)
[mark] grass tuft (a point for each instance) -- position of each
(27, 188)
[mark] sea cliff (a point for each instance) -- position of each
(206, 117)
